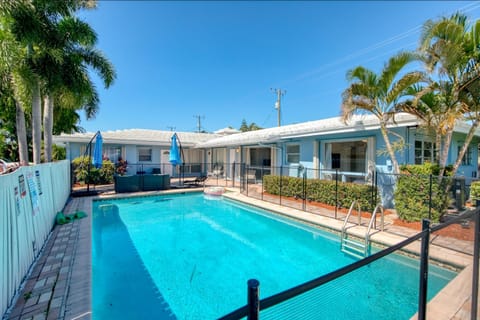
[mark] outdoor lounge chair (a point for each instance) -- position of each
(217, 171)
(251, 175)
(197, 181)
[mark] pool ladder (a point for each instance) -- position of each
(354, 245)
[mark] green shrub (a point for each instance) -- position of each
(322, 191)
(101, 175)
(412, 193)
(58, 152)
(475, 191)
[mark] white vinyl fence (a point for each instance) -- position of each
(30, 197)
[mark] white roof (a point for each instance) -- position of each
(264, 136)
(138, 137)
(226, 131)
(305, 129)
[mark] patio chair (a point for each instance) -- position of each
(251, 175)
(197, 181)
(217, 171)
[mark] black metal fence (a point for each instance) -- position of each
(311, 190)
(314, 190)
(301, 302)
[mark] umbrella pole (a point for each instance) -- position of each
(89, 146)
(182, 157)
(89, 163)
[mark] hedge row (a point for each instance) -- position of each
(412, 193)
(323, 191)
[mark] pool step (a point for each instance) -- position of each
(354, 248)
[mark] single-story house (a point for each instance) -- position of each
(319, 149)
(330, 144)
(143, 150)
(354, 150)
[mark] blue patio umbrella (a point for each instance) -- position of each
(175, 158)
(97, 160)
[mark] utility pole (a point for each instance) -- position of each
(199, 124)
(279, 93)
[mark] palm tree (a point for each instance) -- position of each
(15, 75)
(379, 95)
(55, 41)
(20, 19)
(452, 49)
(431, 105)
(68, 81)
(66, 120)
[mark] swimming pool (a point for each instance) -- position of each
(188, 257)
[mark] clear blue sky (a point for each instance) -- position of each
(176, 60)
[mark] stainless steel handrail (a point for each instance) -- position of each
(373, 220)
(344, 227)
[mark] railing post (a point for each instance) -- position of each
(233, 175)
(304, 204)
(246, 177)
(476, 248)
(280, 193)
(253, 299)
(430, 199)
(261, 174)
(422, 294)
(336, 192)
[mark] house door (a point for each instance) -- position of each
(165, 160)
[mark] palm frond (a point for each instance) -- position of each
(394, 65)
(400, 88)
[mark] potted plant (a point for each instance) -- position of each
(121, 167)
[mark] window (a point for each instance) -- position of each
(293, 153)
(467, 158)
(347, 156)
(113, 153)
(424, 151)
(144, 154)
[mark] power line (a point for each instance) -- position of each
(362, 52)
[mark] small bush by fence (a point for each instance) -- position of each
(85, 172)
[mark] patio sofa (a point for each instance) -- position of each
(155, 182)
(142, 182)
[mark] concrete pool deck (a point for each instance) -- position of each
(59, 284)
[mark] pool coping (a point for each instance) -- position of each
(67, 258)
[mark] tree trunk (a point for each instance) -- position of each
(383, 130)
(47, 127)
(444, 154)
(21, 134)
(36, 123)
(438, 146)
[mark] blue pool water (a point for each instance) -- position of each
(188, 257)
